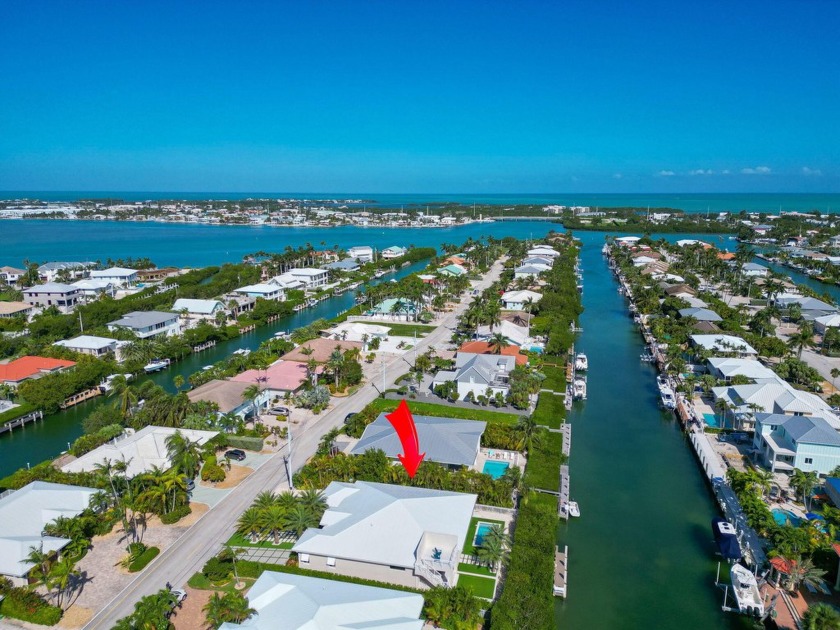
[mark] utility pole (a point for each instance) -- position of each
(289, 458)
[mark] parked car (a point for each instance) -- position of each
(189, 483)
(279, 411)
(349, 417)
(236, 454)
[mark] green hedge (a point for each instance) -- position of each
(444, 411)
(175, 515)
(143, 559)
(87, 443)
(248, 443)
(526, 600)
(251, 569)
(17, 412)
(29, 606)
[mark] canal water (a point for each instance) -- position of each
(641, 554)
(42, 440)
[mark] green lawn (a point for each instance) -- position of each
(199, 581)
(543, 468)
(475, 569)
(408, 330)
(480, 586)
(238, 540)
(555, 378)
(474, 521)
(550, 410)
(431, 409)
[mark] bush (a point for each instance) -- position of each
(175, 515)
(212, 473)
(216, 569)
(26, 605)
(87, 443)
(248, 443)
(140, 562)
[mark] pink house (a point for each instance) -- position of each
(280, 377)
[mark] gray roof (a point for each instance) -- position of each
(811, 430)
(348, 264)
(58, 266)
(52, 287)
(701, 314)
(529, 269)
(484, 366)
(444, 440)
(143, 319)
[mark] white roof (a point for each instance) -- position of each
(517, 335)
(23, 515)
(750, 368)
(521, 296)
(120, 272)
(285, 601)
(307, 271)
(543, 250)
(52, 287)
(93, 283)
(689, 241)
(356, 330)
(829, 321)
(723, 343)
(263, 287)
(628, 239)
(86, 342)
(143, 450)
(383, 524)
(202, 307)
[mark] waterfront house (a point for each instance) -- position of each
(94, 346)
(515, 334)
(393, 534)
(286, 601)
(321, 350)
(394, 308)
(92, 288)
(538, 260)
(518, 300)
(395, 251)
(681, 291)
(15, 372)
(270, 290)
(543, 251)
(356, 331)
(199, 309)
(447, 441)
(64, 297)
(728, 344)
(120, 276)
(146, 324)
(277, 380)
(452, 270)
(142, 450)
(228, 396)
(151, 275)
(348, 264)
(754, 270)
(25, 513)
(811, 308)
(727, 368)
(311, 278)
(361, 253)
(9, 310)
(49, 272)
(10, 275)
(701, 314)
(484, 347)
(786, 442)
(478, 374)
(530, 271)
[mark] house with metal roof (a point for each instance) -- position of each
(724, 344)
(93, 345)
(94, 287)
(448, 441)
(754, 270)
(478, 374)
(51, 270)
(121, 276)
(146, 324)
(23, 515)
(64, 297)
(529, 271)
(348, 264)
(393, 534)
(361, 253)
(701, 314)
(270, 290)
(452, 270)
(199, 309)
(517, 335)
(394, 251)
(285, 601)
(811, 308)
(518, 300)
(785, 442)
(543, 251)
(142, 450)
(727, 368)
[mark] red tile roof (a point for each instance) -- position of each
(482, 347)
(27, 367)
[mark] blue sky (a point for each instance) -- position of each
(420, 96)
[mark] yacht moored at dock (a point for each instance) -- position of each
(581, 362)
(747, 594)
(726, 539)
(666, 393)
(579, 388)
(156, 365)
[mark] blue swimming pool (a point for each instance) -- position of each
(783, 517)
(480, 532)
(712, 420)
(495, 469)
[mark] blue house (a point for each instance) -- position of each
(786, 442)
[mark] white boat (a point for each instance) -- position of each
(379, 274)
(745, 588)
(206, 368)
(581, 362)
(156, 365)
(108, 382)
(574, 509)
(242, 351)
(666, 393)
(579, 389)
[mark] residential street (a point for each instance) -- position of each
(189, 553)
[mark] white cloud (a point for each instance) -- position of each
(700, 171)
(618, 176)
(666, 174)
(758, 170)
(811, 172)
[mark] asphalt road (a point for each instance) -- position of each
(204, 539)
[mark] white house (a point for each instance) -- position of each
(478, 374)
(199, 309)
(64, 297)
(10, 275)
(23, 516)
(529, 271)
(311, 278)
(518, 300)
(393, 534)
(516, 335)
(142, 450)
(120, 276)
(285, 601)
(786, 442)
(265, 290)
(543, 251)
(362, 253)
(356, 331)
(52, 270)
(389, 253)
(94, 346)
(754, 271)
(821, 324)
(94, 287)
(147, 324)
(723, 343)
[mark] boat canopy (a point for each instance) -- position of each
(727, 542)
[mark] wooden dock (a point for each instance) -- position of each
(204, 346)
(11, 425)
(81, 397)
(564, 492)
(561, 571)
(566, 429)
(247, 329)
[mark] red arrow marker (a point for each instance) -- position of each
(403, 423)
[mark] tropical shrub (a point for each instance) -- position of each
(21, 603)
(140, 562)
(89, 442)
(249, 443)
(175, 515)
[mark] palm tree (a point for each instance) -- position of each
(265, 499)
(273, 519)
(124, 394)
(335, 363)
(529, 433)
(178, 381)
(39, 573)
(798, 341)
(230, 607)
(314, 501)
(821, 617)
(299, 519)
(252, 393)
(803, 571)
(498, 342)
(250, 523)
(804, 483)
(185, 454)
(494, 548)
(61, 574)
